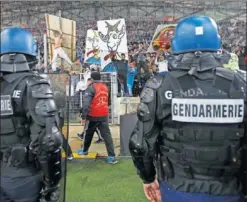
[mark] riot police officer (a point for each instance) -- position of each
(30, 138)
(191, 125)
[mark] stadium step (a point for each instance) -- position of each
(91, 155)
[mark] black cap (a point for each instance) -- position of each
(96, 76)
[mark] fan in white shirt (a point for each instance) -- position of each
(162, 64)
(82, 85)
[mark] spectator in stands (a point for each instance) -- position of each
(141, 47)
(122, 69)
(135, 45)
(129, 46)
(75, 78)
(148, 55)
(241, 60)
(155, 68)
(161, 62)
(140, 57)
(81, 85)
(150, 70)
(142, 77)
(232, 63)
(123, 58)
(131, 76)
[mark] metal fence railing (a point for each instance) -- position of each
(69, 99)
(66, 104)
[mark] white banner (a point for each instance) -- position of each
(113, 36)
(92, 49)
(208, 110)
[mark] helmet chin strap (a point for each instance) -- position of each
(196, 63)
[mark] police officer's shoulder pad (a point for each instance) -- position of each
(13, 77)
(241, 74)
(155, 82)
(225, 73)
(143, 112)
(42, 91)
(39, 87)
(45, 107)
(35, 80)
(147, 95)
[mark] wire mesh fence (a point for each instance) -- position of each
(69, 95)
(69, 98)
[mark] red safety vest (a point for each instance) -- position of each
(245, 58)
(99, 104)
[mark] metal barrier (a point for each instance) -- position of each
(74, 100)
(59, 84)
(66, 103)
(66, 85)
(130, 103)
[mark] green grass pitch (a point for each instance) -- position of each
(97, 181)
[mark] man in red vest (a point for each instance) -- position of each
(95, 110)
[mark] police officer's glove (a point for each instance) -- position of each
(50, 194)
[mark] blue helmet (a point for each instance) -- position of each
(18, 40)
(196, 33)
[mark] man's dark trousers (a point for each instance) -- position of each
(105, 132)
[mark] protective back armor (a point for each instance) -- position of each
(15, 134)
(35, 115)
(205, 155)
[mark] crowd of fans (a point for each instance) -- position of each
(233, 33)
(140, 64)
(142, 30)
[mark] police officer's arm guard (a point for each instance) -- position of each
(46, 137)
(142, 143)
(241, 75)
(87, 98)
